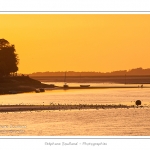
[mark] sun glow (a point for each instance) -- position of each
(78, 42)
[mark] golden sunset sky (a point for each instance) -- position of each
(78, 42)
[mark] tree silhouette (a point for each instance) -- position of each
(3, 43)
(8, 58)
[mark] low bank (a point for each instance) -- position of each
(20, 84)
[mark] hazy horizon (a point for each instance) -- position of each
(94, 71)
(87, 42)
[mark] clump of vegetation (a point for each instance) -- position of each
(9, 80)
(8, 58)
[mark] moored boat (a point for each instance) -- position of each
(42, 90)
(65, 83)
(84, 85)
(37, 90)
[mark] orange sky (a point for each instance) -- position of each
(78, 42)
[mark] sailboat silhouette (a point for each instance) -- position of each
(65, 83)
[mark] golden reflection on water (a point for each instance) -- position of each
(123, 122)
(133, 121)
(84, 96)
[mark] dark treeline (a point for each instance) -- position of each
(132, 72)
(8, 58)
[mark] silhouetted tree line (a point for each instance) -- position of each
(132, 72)
(8, 58)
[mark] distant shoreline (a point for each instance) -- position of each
(23, 84)
(96, 79)
(95, 87)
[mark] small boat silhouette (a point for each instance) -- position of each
(39, 90)
(84, 85)
(65, 83)
(42, 90)
(65, 86)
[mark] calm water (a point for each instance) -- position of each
(78, 122)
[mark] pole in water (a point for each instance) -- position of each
(65, 78)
